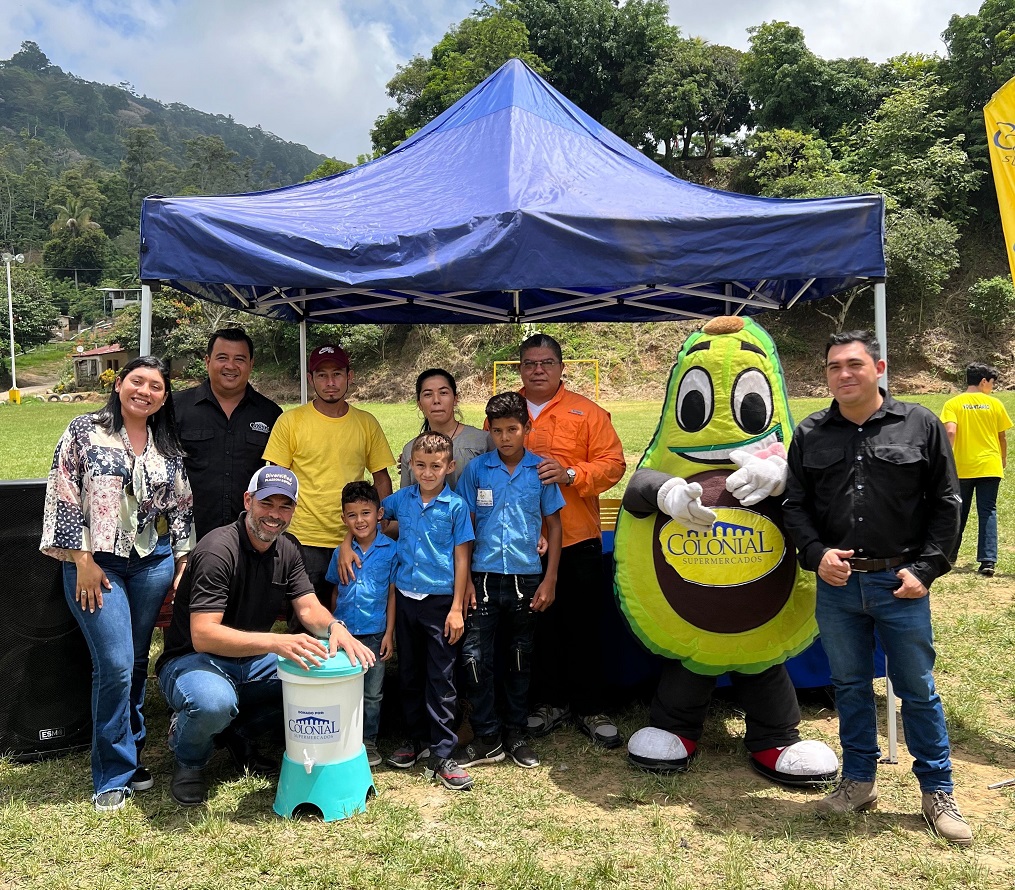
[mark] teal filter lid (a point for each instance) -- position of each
(337, 665)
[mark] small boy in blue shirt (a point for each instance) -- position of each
(366, 605)
(509, 505)
(434, 534)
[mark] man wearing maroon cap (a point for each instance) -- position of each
(327, 443)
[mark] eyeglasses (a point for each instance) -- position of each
(545, 363)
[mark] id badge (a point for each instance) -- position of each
(484, 497)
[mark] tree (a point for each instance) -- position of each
(30, 58)
(213, 168)
(598, 52)
(327, 167)
(142, 151)
(903, 151)
(921, 253)
(693, 96)
(787, 83)
(981, 59)
(467, 54)
(790, 164)
(73, 216)
(34, 313)
(79, 256)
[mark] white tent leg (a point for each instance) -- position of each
(881, 325)
(881, 332)
(893, 723)
(303, 362)
(146, 320)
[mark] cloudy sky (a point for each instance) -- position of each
(313, 71)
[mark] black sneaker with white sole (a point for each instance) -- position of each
(519, 750)
(482, 749)
(142, 779)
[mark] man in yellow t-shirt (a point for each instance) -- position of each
(976, 424)
(327, 443)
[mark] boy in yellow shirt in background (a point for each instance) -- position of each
(976, 423)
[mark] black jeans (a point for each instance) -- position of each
(505, 602)
(768, 699)
(568, 655)
(426, 662)
(316, 561)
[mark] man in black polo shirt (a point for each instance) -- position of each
(872, 503)
(219, 668)
(224, 424)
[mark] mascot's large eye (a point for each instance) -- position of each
(752, 401)
(695, 400)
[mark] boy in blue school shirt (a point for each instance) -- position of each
(509, 505)
(434, 534)
(366, 605)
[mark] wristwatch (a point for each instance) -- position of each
(571, 475)
(332, 625)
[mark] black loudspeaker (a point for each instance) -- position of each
(45, 666)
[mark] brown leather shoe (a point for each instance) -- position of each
(943, 816)
(849, 796)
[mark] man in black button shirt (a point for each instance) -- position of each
(219, 669)
(224, 424)
(872, 503)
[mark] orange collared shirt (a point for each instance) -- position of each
(578, 433)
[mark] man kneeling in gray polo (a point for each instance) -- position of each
(218, 672)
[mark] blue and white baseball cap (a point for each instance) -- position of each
(274, 480)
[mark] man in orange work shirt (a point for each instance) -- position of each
(582, 453)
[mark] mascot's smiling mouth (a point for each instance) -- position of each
(720, 454)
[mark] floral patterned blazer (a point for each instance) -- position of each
(101, 498)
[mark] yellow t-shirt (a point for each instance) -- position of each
(325, 453)
(978, 420)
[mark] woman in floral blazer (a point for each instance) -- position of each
(119, 513)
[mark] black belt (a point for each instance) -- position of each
(875, 565)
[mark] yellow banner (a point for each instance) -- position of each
(999, 114)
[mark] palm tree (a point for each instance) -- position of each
(73, 216)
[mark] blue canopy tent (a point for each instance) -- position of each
(513, 205)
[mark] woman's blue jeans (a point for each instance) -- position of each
(119, 637)
(848, 618)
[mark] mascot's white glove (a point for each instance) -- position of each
(760, 476)
(682, 501)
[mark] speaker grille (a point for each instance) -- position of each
(46, 670)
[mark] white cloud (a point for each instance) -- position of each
(314, 72)
(833, 29)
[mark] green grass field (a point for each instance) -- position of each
(584, 819)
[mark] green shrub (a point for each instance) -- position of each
(991, 301)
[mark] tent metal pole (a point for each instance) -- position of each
(303, 361)
(145, 344)
(881, 332)
(881, 325)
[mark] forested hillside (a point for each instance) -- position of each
(777, 120)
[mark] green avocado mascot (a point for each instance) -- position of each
(705, 574)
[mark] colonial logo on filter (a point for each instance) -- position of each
(315, 725)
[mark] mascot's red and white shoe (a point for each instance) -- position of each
(806, 763)
(658, 751)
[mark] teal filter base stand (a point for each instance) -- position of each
(336, 790)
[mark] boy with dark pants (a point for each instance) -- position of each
(434, 534)
(509, 505)
(366, 605)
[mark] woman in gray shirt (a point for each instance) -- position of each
(437, 398)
